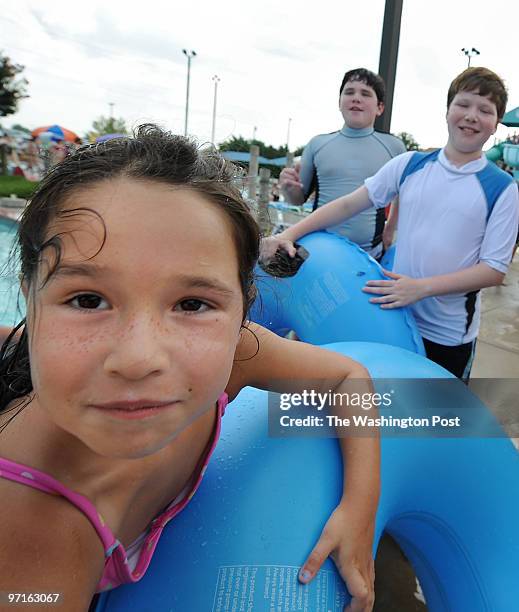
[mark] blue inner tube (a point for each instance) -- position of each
(324, 301)
(451, 503)
(388, 259)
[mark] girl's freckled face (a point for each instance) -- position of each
(152, 315)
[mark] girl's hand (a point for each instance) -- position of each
(400, 291)
(348, 538)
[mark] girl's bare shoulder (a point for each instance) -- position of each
(47, 545)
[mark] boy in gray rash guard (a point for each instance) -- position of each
(338, 163)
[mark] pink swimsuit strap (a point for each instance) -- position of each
(116, 570)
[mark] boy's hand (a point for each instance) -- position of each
(289, 178)
(291, 186)
(348, 538)
(400, 291)
(269, 246)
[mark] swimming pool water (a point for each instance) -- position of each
(12, 305)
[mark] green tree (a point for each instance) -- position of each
(240, 144)
(21, 128)
(409, 141)
(12, 88)
(107, 125)
(236, 143)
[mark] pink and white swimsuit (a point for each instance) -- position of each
(121, 565)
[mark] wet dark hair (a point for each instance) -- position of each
(370, 78)
(483, 82)
(152, 154)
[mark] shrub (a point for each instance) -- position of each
(17, 185)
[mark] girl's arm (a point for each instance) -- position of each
(47, 546)
(289, 367)
(331, 214)
(4, 333)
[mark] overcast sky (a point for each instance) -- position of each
(276, 60)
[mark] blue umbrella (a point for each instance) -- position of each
(57, 131)
(106, 137)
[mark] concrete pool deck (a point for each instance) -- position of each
(10, 213)
(497, 351)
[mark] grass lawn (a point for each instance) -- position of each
(18, 185)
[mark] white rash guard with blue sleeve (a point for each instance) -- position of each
(449, 219)
(336, 164)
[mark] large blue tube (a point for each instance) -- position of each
(451, 503)
(324, 301)
(388, 259)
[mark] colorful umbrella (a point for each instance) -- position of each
(60, 133)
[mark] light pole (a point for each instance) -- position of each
(288, 133)
(388, 59)
(111, 105)
(470, 53)
(189, 55)
(216, 80)
(254, 132)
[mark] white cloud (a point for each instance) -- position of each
(274, 60)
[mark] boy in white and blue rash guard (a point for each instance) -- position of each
(456, 228)
(338, 163)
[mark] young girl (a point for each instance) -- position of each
(137, 260)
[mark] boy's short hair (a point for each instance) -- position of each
(366, 76)
(484, 82)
